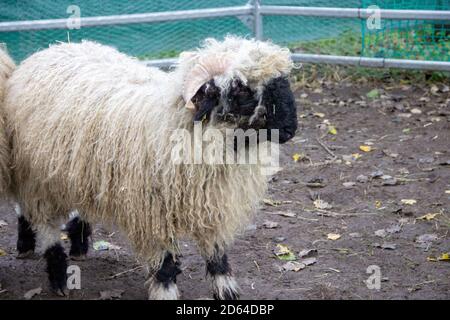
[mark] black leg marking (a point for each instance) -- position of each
(78, 232)
(224, 285)
(218, 265)
(26, 241)
(169, 271)
(57, 268)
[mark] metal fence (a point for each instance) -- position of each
(252, 14)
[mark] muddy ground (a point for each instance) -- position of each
(407, 128)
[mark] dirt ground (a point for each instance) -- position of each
(407, 129)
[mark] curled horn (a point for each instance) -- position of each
(203, 71)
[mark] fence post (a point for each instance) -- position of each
(257, 20)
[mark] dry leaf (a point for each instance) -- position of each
(273, 203)
(2, 253)
(270, 224)
(378, 204)
(333, 236)
(442, 257)
(3, 223)
(332, 130)
(294, 266)
(284, 253)
(323, 205)
(288, 214)
(308, 261)
(408, 201)
(307, 253)
(428, 216)
(365, 148)
(319, 114)
(297, 157)
(31, 293)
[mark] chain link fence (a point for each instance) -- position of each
(410, 39)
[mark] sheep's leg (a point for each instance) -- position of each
(163, 283)
(78, 232)
(55, 256)
(223, 282)
(26, 241)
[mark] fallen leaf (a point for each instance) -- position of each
(332, 130)
(333, 236)
(362, 178)
(307, 253)
(64, 236)
(377, 174)
(378, 204)
(428, 237)
(444, 257)
(293, 266)
(33, 292)
(388, 246)
(372, 94)
(2, 253)
(284, 253)
(416, 111)
(349, 184)
(355, 235)
(3, 223)
(394, 228)
(319, 114)
(270, 224)
(288, 214)
(104, 245)
(297, 157)
(323, 205)
(365, 148)
(408, 201)
(111, 294)
(428, 216)
(273, 203)
(308, 261)
(381, 233)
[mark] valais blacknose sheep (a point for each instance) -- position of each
(91, 129)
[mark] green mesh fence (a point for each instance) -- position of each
(408, 39)
(396, 39)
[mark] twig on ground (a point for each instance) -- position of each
(123, 272)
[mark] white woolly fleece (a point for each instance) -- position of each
(90, 129)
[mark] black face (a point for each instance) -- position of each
(281, 111)
(240, 106)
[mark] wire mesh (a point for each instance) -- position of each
(408, 39)
(413, 39)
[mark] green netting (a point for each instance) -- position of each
(408, 39)
(396, 39)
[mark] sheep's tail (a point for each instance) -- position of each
(7, 67)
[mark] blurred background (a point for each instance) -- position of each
(407, 39)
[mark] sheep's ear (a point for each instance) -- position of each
(281, 109)
(205, 100)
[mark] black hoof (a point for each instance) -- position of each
(57, 269)
(78, 232)
(26, 241)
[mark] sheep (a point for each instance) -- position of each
(92, 129)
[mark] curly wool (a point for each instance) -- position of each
(7, 66)
(91, 130)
